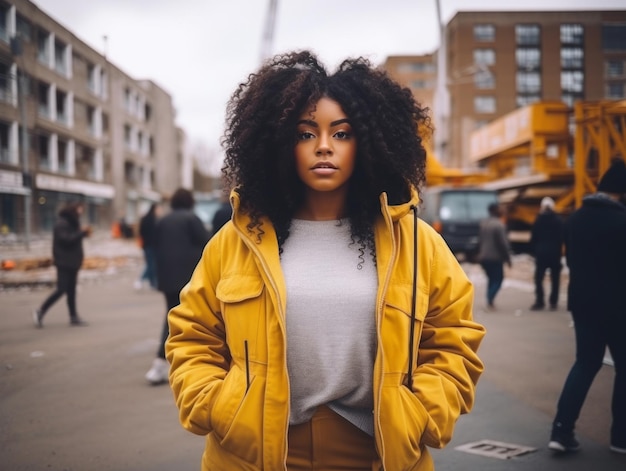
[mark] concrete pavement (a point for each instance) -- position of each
(74, 398)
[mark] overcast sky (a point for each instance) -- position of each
(200, 50)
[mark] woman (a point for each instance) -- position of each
(324, 307)
(67, 254)
(179, 239)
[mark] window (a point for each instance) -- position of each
(91, 120)
(130, 172)
(572, 34)
(413, 67)
(62, 107)
(127, 99)
(572, 86)
(527, 35)
(572, 81)
(615, 90)
(127, 136)
(43, 146)
(422, 84)
(528, 59)
(7, 80)
(615, 68)
(60, 58)
(43, 94)
(63, 160)
(24, 28)
(147, 112)
(484, 33)
(523, 100)
(43, 51)
(85, 162)
(572, 58)
(528, 82)
(484, 56)
(92, 77)
(614, 37)
(5, 155)
(484, 104)
(484, 79)
(4, 22)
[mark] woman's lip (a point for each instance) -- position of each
(324, 170)
(324, 165)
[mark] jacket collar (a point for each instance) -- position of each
(398, 211)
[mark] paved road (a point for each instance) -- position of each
(74, 398)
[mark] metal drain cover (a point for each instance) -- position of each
(493, 449)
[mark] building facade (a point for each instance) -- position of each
(499, 61)
(418, 73)
(75, 126)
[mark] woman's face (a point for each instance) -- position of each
(325, 151)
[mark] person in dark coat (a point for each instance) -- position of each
(147, 232)
(67, 254)
(180, 239)
(221, 216)
(595, 250)
(546, 242)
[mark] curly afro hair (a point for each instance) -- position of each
(261, 132)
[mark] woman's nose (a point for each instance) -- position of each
(323, 147)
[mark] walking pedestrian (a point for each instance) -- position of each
(180, 238)
(67, 255)
(326, 327)
(494, 251)
(546, 243)
(147, 234)
(595, 250)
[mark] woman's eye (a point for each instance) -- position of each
(343, 135)
(305, 135)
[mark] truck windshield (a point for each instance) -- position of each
(465, 205)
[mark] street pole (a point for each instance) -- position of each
(442, 97)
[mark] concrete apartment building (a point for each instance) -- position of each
(92, 132)
(500, 61)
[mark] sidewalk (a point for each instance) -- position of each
(104, 257)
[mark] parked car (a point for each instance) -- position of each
(456, 214)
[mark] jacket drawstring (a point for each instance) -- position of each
(245, 346)
(414, 299)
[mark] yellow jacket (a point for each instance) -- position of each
(227, 347)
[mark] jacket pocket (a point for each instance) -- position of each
(236, 416)
(396, 324)
(243, 305)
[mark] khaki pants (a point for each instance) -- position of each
(329, 442)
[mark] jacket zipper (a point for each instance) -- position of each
(378, 328)
(281, 316)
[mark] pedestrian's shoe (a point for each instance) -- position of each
(618, 449)
(78, 322)
(138, 285)
(563, 442)
(159, 373)
(537, 307)
(37, 318)
(553, 307)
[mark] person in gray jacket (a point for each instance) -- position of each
(494, 251)
(180, 239)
